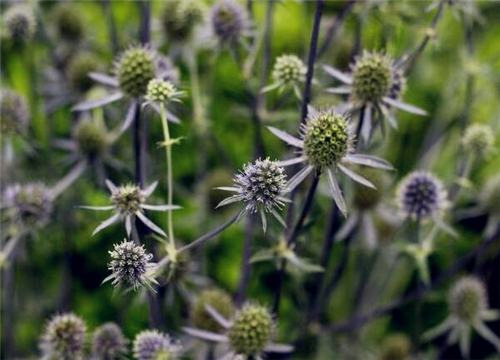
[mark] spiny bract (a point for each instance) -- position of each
(134, 69)
(217, 299)
(366, 198)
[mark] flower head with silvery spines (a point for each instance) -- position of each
(260, 186)
(129, 202)
(64, 337)
(161, 91)
(29, 205)
(130, 266)
(468, 309)
(19, 23)
(230, 21)
(374, 85)
(288, 72)
(149, 344)
(326, 145)
(108, 342)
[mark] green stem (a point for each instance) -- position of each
(170, 182)
(198, 115)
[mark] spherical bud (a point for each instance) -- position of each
(64, 337)
(134, 69)
(128, 199)
(129, 264)
(261, 183)
(289, 69)
(327, 138)
(372, 77)
(366, 198)
(396, 347)
(108, 342)
(154, 345)
(420, 195)
(478, 139)
(251, 330)
(161, 91)
(229, 21)
(78, 71)
(14, 114)
(68, 22)
(179, 18)
(467, 299)
(489, 197)
(91, 138)
(217, 299)
(20, 23)
(30, 204)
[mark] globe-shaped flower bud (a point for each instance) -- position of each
(154, 345)
(251, 330)
(30, 204)
(490, 195)
(127, 199)
(14, 115)
(134, 69)
(467, 299)
(20, 23)
(108, 342)
(64, 337)
(229, 21)
(289, 69)
(179, 17)
(396, 347)
(366, 198)
(161, 91)
(91, 138)
(217, 299)
(68, 23)
(261, 184)
(326, 138)
(129, 265)
(478, 139)
(372, 77)
(420, 195)
(78, 71)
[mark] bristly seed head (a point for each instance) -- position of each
(19, 23)
(251, 330)
(220, 301)
(64, 337)
(467, 299)
(91, 138)
(327, 138)
(229, 21)
(134, 69)
(128, 199)
(30, 204)
(261, 183)
(154, 345)
(478, 139)
(108, 342)
(179, 18)
(161, 91)
(289, 69)
(372, 77)
(420, 195)
(14, 114)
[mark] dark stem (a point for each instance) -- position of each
(245, 261)
(113, 35)
(145, 27)
(334, 27)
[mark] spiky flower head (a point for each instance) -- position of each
(108, 342)
(68, 23)
(229, 21)
(30, 204)
(130, 265)
(251, 330)
(366, 198)
(161, 91)
(372, 76)
(489, 197)
(327, 138)
(134, 69)
(217, 299)
(262, 183)
(91, 138)
(420, 195)
(179, 18)
(64, 337)
(78, 71)
(20, 23)
(128, 199)
(467, 299)
(154, 345)
(14, 115)
(289, 69)
(478, 139)
(396, 347)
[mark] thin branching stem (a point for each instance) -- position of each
(170, 182)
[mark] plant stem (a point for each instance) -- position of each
(170, 181)
(334, 27)
(245, 260)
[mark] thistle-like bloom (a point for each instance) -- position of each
(230, 21)
(260, 186)
(130, 266)
(375, 86)
(180, 17)
(326, 143)
(468, 307)
(108, 342)
(14, 114)
(64, 337)
(478, 140)
(153, 345)
(68, 23)
(248, 334)
(19, 23)
(217, 299)
(128, 202)
(288, 73)
(161, 91)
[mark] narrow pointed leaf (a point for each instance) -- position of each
(92, 104)
(104, 79)
(336, 192)
(338, 74)
(368, 160)
(106, 223)
(404, 106)
(149, 223)
(299, 177)
(356, 177)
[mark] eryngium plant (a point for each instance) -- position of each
(108, 342)
(478, 140)
(153, 345)
(14, 115)
(230, 21)
(19, 23)
(64, 338)
(289, 72)
(180, 17)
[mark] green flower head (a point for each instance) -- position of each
(135, 69)
(467, 299)
(179, 18)
(372, 77)
(289, 69)
(128, 199)
(68, 22)
(91, 138)
(78, 71)
(217, 299)
(478, 139)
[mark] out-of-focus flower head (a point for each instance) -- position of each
(64, 337)
(217, 299)
(155, 345)
(180, 17)
(68, 23)
(19, 23)
(108, 342)
(230, 21)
